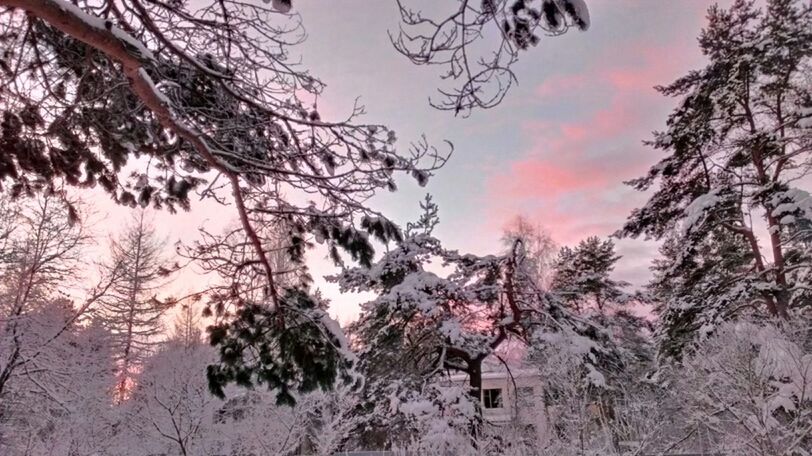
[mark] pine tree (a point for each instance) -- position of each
(737, 147)
(200, 95)
(582, 276)
(422, 325)
(301, 347)
(590, 393)
(694, 295)
(131, 309)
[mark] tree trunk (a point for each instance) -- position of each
(782, 297)
(134, 292)
(79, 25)
(475, 393)
(780, 303)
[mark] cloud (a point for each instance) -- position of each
(561, 84)
(570, 177)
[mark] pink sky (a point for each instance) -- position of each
(560, 146)
(557, 150)
(572, 170)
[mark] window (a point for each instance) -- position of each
(492, 398)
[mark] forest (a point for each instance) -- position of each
(168, 107)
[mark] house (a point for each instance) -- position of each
(512, 397)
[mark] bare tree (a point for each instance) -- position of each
(329, 421)
(210, 100)
(54, 363)
(540, 249)
(748, 390)
(171, 407)
(171, 411)
(230, 257)
(58, 400)
(481, 75)
(131, 309)
(186, 328)
(43, 249)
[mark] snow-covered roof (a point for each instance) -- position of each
(515, 373)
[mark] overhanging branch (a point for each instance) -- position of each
(133, 56)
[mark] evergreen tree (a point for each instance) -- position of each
(694, 295)
(292, 351)
(592, 413)
(292, 345)
(582, 276)
(204, 95)
(131, 309)
(737, 145)
(423, 325)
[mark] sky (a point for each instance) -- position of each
(556, 151)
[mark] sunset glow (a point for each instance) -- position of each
(405, 227)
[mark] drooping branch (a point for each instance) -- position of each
(132, 56)
(207, 96)
(481, 79)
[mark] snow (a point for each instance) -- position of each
(452, 329)
(283, 6)
(594, 377)
(100, 24)
(335, 330)
(417, 407)
(123, 36)
(790, 202)
(416, 288)
(695, 212)
(582, 11)
(145, 76)
(763, 356)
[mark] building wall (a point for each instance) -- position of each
(522, 401)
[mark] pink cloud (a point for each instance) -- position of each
(534, 178)
(561, 83)
(658, 66)
(570, 178)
